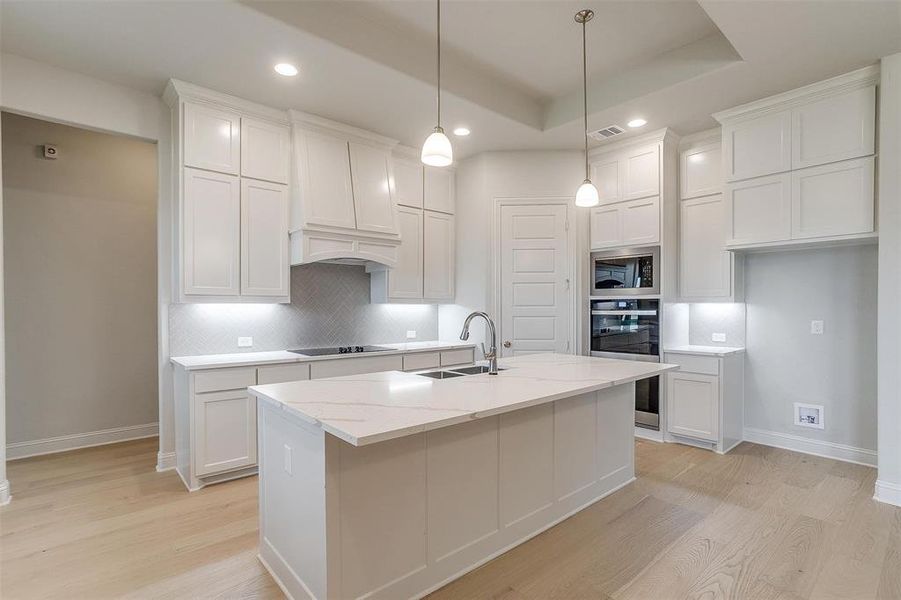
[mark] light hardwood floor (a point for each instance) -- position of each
(756, 523)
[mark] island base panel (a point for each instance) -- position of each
(400, 518)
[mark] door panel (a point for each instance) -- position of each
(405, 279)
(705, 267)
(759, 210)
(438, 259)
(535, 311)
(212, 139)
(325, 180)
(693, 405)
(225, 431)
(264, 239)
(834, 199)
(211, 236)
(372, 190)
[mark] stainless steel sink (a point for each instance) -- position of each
(474, 370)
(441, 374)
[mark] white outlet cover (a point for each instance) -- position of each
(719, 337)
(816, 327)
(810, 415)
(245, 342)
(411, 334)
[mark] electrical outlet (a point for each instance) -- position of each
(816, 327)
(289, 454)
(411, 334)
(245, 342)
(719, 337)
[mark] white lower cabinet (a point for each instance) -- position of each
(704, 399)
(225, 431)
(630, 223)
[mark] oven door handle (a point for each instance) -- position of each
(623, 313)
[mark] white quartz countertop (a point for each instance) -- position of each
(705, 350)
(365, 409)
(244, 359)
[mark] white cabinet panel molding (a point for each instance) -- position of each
(756, 147)
(212, 138)
(265, 270)
(408, 182)
(833, 199)
(705, 266)
(265, 150)
(605, 175)
(834, 128)
(759, 210)
(702, 171)
(693, 405)
(225, 428)
(640, 171)
(439, 191)
(211, 233)
(405, 279)
(370, 169)
(323, 173)
(438, 256)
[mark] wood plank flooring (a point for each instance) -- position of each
(757, 523)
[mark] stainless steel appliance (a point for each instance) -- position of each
(625, 272)
(629, 328)
(340, 350)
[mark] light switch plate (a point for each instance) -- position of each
(719, 337)
(816, 327)
(411, 334)
(245, 342)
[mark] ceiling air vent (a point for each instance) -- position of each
(606, 133)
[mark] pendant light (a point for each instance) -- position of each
(587, 194)
(437, 151)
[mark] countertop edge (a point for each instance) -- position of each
(711, 351)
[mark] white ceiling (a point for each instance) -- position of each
(511, 67)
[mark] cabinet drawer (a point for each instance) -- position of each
(457, 357)
(282, 373)
(355, 366)
(689, 363)
(224, 379)
(422, 360)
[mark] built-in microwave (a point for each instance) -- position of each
(626, 272)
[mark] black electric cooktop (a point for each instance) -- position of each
(340, 350)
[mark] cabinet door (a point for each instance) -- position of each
(705, 266)
(438, 256)
(702, 171)
(640, 222)
(370, 173)
(835, 128)
(408, 185)
(640, 171)
(692, 402)
(759, 210)
(833, 199)
(211, 236)
(265, 270)
(405, 279)
(439, 189)
(326, 193)
(605, 227)
(225, 431)
(212, 139)
(605, 176)
(756, 147)
(265, 150)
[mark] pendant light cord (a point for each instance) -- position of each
(584, 95)
(439, 64)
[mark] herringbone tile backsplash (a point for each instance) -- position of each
(329, 307)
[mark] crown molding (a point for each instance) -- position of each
(664, 135)
(860, 78)
(701, 138)
(313, 122)
(177, 90)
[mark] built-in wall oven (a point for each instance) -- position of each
(626, 272)
(629, 328)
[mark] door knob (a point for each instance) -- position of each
(507, 344)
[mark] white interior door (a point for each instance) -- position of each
(535, 286)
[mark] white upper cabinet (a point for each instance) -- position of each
(408, 182)
(605, 175)
(405, 279)
(701, 171)
(833, 199)
(759, 210)
(265, 270)
(265, 150)
(211, 233)
(212, 138)
(606, 227)
(370, 169)
(325, 181)
(705, 266)
(835, 128)
(438, 256)
(757, 146)
(640, 171)
(439, 189)
(630, 223)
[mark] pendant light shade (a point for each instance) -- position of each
(437, 151)
(587, 194)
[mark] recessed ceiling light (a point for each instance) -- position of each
(637, 123)
(286, 69)
(462, 131)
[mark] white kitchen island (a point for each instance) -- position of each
(391, 484)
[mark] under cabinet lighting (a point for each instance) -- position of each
(286, 69)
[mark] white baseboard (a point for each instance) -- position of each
(649, 434)
(165, 461)
(787, 441)
(64, 443)
(890, 493)
(5, 496)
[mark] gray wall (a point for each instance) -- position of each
(329, 307)
(80, 254)
(786, 364)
